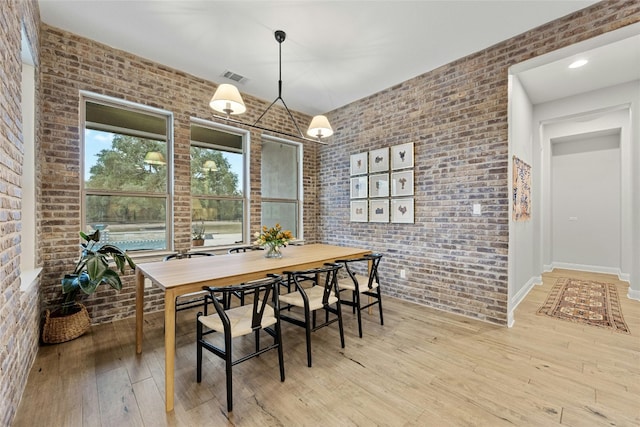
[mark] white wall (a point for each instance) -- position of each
(585, 203)
(634, 289)
(523, 256)
(605, 109)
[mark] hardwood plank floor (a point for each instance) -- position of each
(423, 367)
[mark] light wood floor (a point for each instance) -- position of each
(422, 368)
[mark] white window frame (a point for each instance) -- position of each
(300, 189)
(246, 184)
(28, 257)
(86, 96)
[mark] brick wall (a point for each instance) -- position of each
(71, 64)
(19, 309)
(456, 116)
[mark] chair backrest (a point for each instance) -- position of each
(315, 275)
(372, 262)
(244, 249)
(262, 290)
(186, 255)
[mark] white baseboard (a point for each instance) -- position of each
(519, 297)
(591, 269)
(633, 294)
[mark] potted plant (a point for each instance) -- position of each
(71, 319)
(198, 234)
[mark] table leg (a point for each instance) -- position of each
(169, 347)
(370, 309)
(139, 309)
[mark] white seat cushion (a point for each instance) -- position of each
(363, 283)
(240, 320)
(314, 294)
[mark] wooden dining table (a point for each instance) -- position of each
(183, 276)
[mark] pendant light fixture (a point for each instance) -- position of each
(155, 158)
(227, 100)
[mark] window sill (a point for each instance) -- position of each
(28, 278)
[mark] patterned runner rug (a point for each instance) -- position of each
(585, 301)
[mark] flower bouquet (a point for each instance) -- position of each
(273, 239)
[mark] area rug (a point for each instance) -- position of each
(587, 302)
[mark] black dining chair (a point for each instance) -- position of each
(261, 314)
(237, 250)
(313, 290)
(192, 299)
(360, 285)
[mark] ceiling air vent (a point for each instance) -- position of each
(235, 77)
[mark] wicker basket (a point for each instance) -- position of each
(65, 328)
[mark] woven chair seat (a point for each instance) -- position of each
(314, 294)
(363, 282)
(240, 320)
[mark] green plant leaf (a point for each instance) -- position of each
(96, 267)
(119, 262)
(112, 278)
(89, 286)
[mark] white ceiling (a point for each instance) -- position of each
(336, 52)
(609, 64)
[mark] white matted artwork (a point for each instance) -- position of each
(379, 210)
(379, 185)
(359, 211)
(359, 163)
(359, 187)
(402, 156)
(402, 210)
(402, 183)
(379, 160)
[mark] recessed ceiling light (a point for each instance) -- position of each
(579, 63)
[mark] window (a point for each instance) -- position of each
(125, 173)
(281, 192)
(28, 270)
(218, 195)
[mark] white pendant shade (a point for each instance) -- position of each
(154, 158)
(320, 127)
(210, 166)
(227, 100)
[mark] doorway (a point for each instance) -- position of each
(550, 110)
